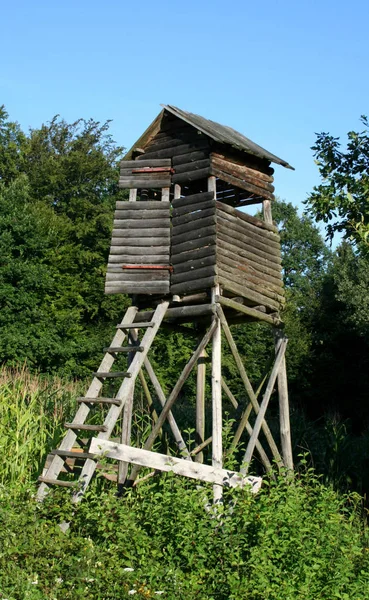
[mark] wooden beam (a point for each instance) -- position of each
(248, 386)
(263, 407)
(251, 312)
(154, 460)
(200, 403)
(284, 411)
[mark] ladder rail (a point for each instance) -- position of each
(122, 394)
(82, 413)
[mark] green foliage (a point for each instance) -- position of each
(342, 200)
(294, 540)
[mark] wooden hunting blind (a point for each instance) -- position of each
(186, 252)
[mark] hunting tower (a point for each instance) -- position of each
(186, 252)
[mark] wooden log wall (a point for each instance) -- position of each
(235, 172)
(193, 243)
(248, 257)
(187, 148)
(141, 236)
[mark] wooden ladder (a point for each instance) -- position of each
(93, 398)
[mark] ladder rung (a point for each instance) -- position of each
(99, 400)
(84, 427)
(112, 374)
(124, 349)
(57, 482)
(72, 454)
(136, 325)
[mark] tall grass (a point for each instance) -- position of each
(32, 411)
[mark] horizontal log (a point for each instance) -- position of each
(143, 204)
(179, 466)
(241, 183)
(187, 209)
(243, 250)
(250, 231)
(179, 312)
(124, 276)
(146, 242)
(163, 232)
(248, 218)
(194, 165)
(139, 259)
(139, 164)
(133, 183)
(249, 160)
(190, 275)
(188, 157)
(241, 288)
(193, 234)
(253, 171)
(193, 225)
(192, 244)
(234, 233)
(192, 199)
(142, 250)
(242, 278)
(193, 217)
(191, 175)
(192, 265)
(144, 213)
(143, 287)
(242, 172)
(203, 283)
(140, 223)
(193, 254)
(247, 310)
(251, 267)
(196, 145)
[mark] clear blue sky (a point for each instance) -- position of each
(277, 71)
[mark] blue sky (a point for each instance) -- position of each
(277, 71)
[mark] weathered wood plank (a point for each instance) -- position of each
(193, 175)
(264, 236)
(163, 232)
(241, 172)
(244, 251)
(248, 262)
(193, 216)
(179, 312)
(190, 156)
(258, 280)
(134, 259)
(245, 185)
(236, 225)
(140, 223)
(247, 310)
(192, 199)
(142, 250)
(192, 208)
(194, 165)
(144, 183)
(194, 254)
(179, 466)
(193, 265)
(201, 144)
(143, 205)
(193, 286)
(264, 174)
(192, 244)
(245, 292)
(118, 243)
(248, 218)
(200, 403)
(190, 275)
(241, 280)
(142, 214)
(134, 164)
(229, 233)
(123, 276)
(216, 396)
(193, 233)
(134, 288)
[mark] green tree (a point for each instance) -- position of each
(341, 201)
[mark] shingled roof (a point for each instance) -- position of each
(219, 133)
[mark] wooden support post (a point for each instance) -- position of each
(267, 212)
(216, 389)
(200, 404)
(263, 407)
(165, 194)
(248, 387)
(284, 410)
(174, 394)
(125, 436)
(133, 195)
